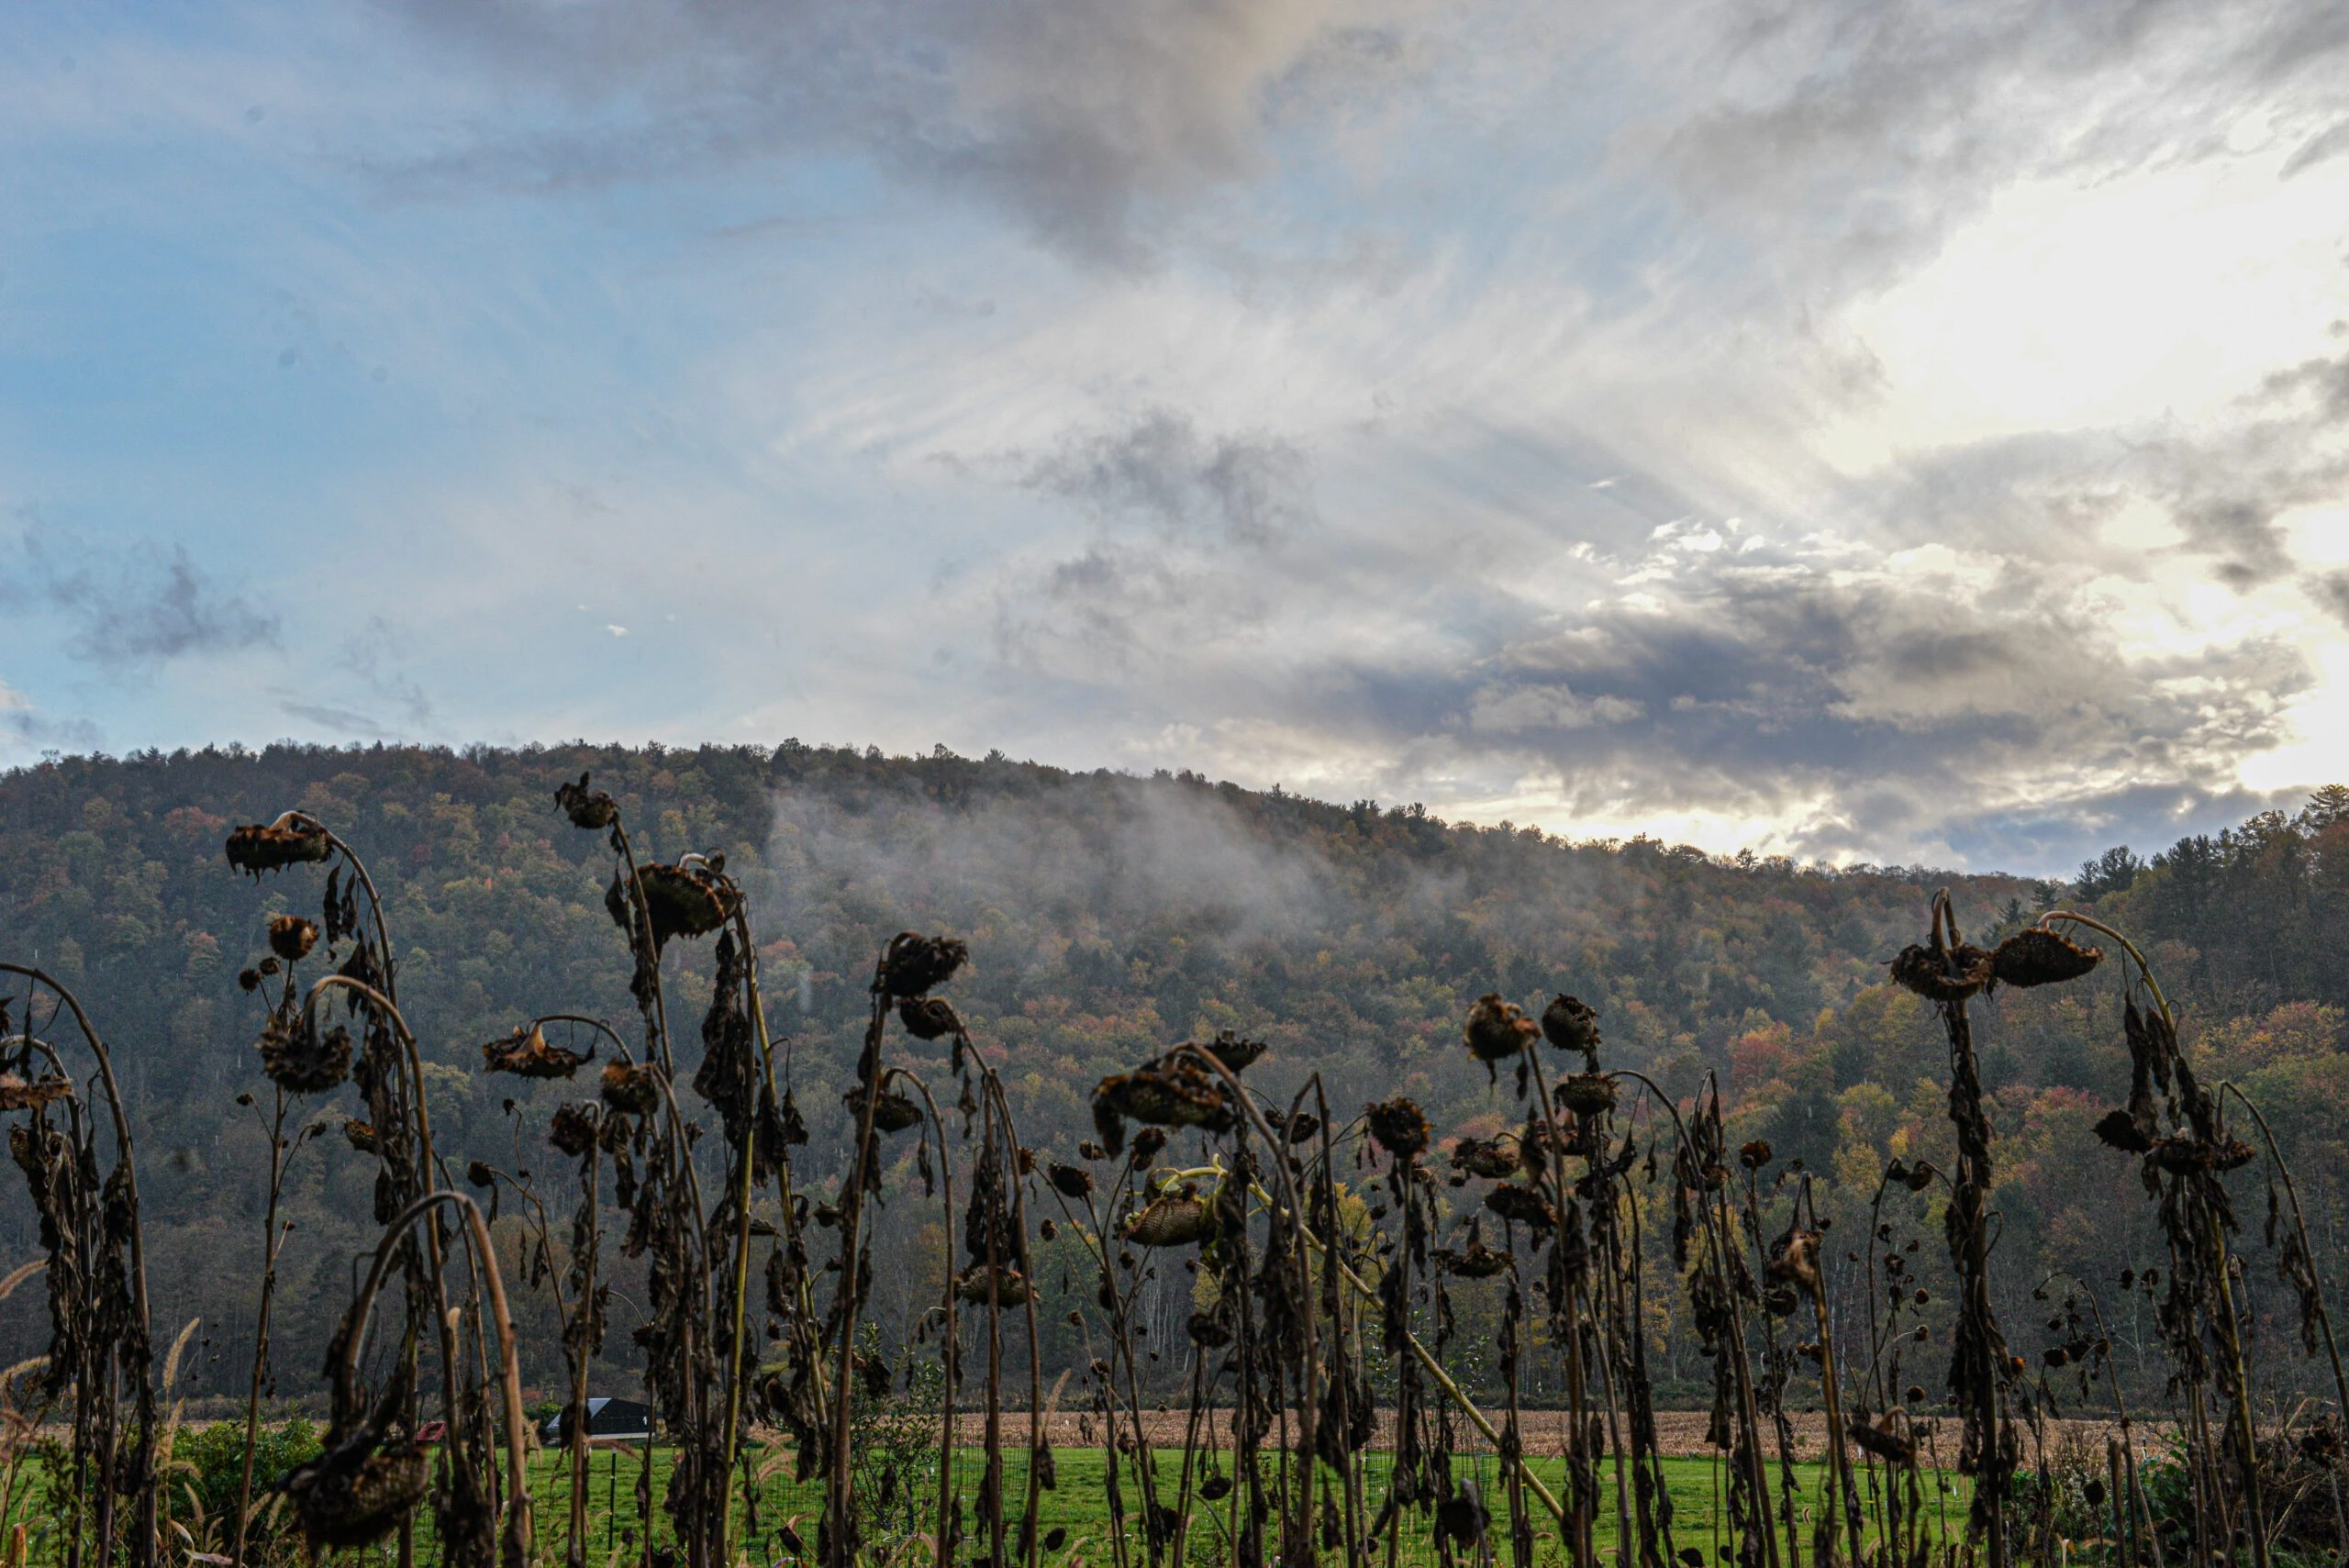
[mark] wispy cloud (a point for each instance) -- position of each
(1160, 468)
(131, 615)
(1076, 118)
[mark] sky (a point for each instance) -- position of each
(1871, 430)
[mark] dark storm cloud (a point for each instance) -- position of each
(1880, 705)
(1076, 116)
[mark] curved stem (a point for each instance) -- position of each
(1031, 1532)
(1279, 1150)
(516, 1532)
(748, 1156)
(142, 1549)
(278, 1155)
(949, 1346)
(431, 1178)
(839, 1552)
(1434, 1368)
(2144, 970)
(2323, 1318)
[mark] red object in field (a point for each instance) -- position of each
(433, 1432)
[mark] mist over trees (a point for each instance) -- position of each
(1109, 917)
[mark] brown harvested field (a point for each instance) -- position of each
(1680, 1433)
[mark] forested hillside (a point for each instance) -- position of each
(1107, 917)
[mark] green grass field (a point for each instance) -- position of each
(1079, 1505)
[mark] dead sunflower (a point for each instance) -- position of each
(913, 963)
(1209, 1330)
(1490, 1157)
(301, 1061)
(1497, 1029)
(1794, 1259)
(526, 1054)
(2042, 957)
(928, 1018)
(1462, 1518)
(1181, 1094)
(291, 936)
(17, 1094)
(631, 1088)
(1170, 1220)
(1400, 1127)
(573, 1129)
(1570, 1025)
(292, 840)
(1523, 1205)
(585, 807)
(1008, 1286)
(1235, 1053)
(1881, 1439)
(1942, 974)
(2186, 1156)
(691, 899)
(1474, 1260)
(1587, 1094)
(356, 1505)
(892, 1113)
